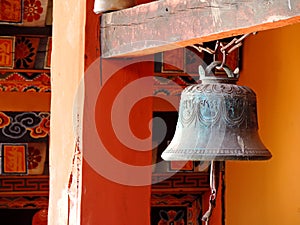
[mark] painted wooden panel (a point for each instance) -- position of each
(25, 12)
(7, 47)
(36, 157)
(25, 52)
(35, 12)
(14, 158)
(48, 53)
(10, 11)
(177, 209)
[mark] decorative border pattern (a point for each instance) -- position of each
(25, 76)
(24, 186)
(24, 202)
(25, 81)
(196, 181)
(24, 87)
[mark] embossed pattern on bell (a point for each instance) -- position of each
(217, 121)
(209, 103)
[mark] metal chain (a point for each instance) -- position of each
(213, 194)
(225, 49)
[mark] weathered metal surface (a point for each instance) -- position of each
(109, 5)
(169, 24)
(217, 121)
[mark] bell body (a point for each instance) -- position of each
(110, 5)
(217, 121)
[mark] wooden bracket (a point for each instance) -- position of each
(169, 24)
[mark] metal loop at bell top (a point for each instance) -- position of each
(207, 74)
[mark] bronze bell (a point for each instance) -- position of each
(217, 121)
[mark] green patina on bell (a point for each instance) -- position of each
(217, 121)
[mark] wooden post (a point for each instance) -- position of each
(67, 72)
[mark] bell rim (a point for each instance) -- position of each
(256, 155)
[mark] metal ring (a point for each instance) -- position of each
(215, 64)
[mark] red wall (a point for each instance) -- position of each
(105, 199)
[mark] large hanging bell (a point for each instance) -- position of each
(112, 5)
(217, 121)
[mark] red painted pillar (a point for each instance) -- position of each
(116, 175)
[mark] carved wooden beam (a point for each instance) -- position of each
(169, 24)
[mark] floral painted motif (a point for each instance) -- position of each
(32, 10)
(34, 157)
(25, 52)
(171, 217)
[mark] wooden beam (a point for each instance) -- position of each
(169, 24)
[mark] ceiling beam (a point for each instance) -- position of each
(169, 24)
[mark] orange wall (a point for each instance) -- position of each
(268, 193)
